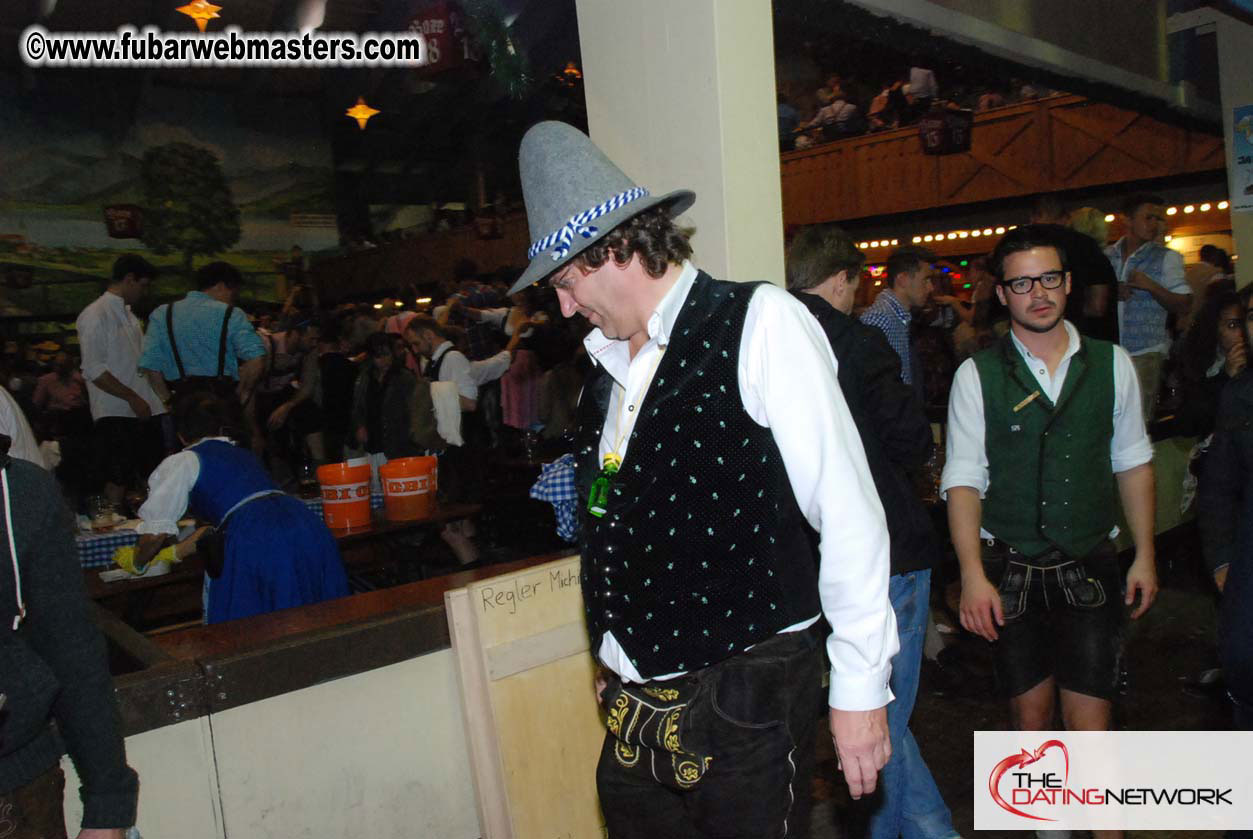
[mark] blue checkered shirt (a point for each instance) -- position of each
(197, 326)
(892, 319)
(556, 486)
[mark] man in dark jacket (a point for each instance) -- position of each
(1225, 514)
(823, 266)
(53, 669)
(1092, 304)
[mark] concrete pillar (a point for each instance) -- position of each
(680, 93)
(1235, 78)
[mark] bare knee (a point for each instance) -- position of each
(1085, 713)
(1032, 710)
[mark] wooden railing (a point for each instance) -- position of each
(1058, 143)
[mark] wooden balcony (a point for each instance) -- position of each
(1058, 143)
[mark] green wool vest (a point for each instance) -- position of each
(1051, 484)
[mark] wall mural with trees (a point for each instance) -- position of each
(183, 183)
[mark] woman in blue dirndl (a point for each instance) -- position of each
(277, 552)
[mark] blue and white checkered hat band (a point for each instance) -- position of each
(559, 240)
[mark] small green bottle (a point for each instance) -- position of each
(598, 497)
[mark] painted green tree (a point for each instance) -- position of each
(188, 207)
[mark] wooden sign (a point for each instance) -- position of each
(448, 44)
(124, 221)
(528, 691)
(946, 131)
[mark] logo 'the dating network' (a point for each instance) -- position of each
(1127, 780)
(1027, 787)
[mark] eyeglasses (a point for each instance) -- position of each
(1023, 285)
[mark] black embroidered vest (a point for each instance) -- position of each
(703, 550)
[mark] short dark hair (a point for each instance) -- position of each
(1134, 202)
(421, 322)
(820, 251)
(1025, 238)
(906, 260)
(200, 415)
(1048, 205)
(219, 272)
(1216, 256)
(652, 235)
(130, 263)
(378, 344)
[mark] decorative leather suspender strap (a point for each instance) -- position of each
(169, 326)
(226, 322)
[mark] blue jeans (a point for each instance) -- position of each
(908, 803)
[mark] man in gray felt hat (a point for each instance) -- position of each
(714, 450)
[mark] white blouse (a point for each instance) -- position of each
(169, 490)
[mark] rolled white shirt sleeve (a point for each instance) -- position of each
(169, 489)
(490, 369)
(1130, 446)
(455, 368)
(966, 457)
(787, 377)
(92, 347)
(1173, 277)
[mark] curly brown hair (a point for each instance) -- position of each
(652, 235)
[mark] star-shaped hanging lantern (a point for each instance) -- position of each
(201, 11)
(361, 112)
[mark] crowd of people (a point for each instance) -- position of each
(748, 463)
(848, 106)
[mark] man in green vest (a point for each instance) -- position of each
(1045, 437)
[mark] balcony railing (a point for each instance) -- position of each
(1057, 143)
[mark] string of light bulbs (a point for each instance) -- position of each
(977, 232)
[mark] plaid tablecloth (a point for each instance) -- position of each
(556, 486)
(95, 550)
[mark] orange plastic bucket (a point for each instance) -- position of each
(409, 485)
(345, 495)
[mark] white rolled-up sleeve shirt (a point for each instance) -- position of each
(469, 375)
(787, 381)
(111, 341)
(966, 457)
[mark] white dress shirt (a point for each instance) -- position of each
(469, 375)
(22, 442)
(966, 461)
(111, 340)
(787, 382)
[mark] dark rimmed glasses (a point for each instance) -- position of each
(1023, 285)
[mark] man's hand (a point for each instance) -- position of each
(1237, 360)
(981, 607)
(862, 746)
(1220, 577)
(363, 435)
(279, 416)
(602, 682)
(1140, 280)
(1142, 577)
(1125, 291)
(140, 406)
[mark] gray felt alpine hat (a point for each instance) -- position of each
(575, 195)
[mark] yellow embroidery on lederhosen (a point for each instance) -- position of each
(617, 715)
(625, 755)
(670, 739)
